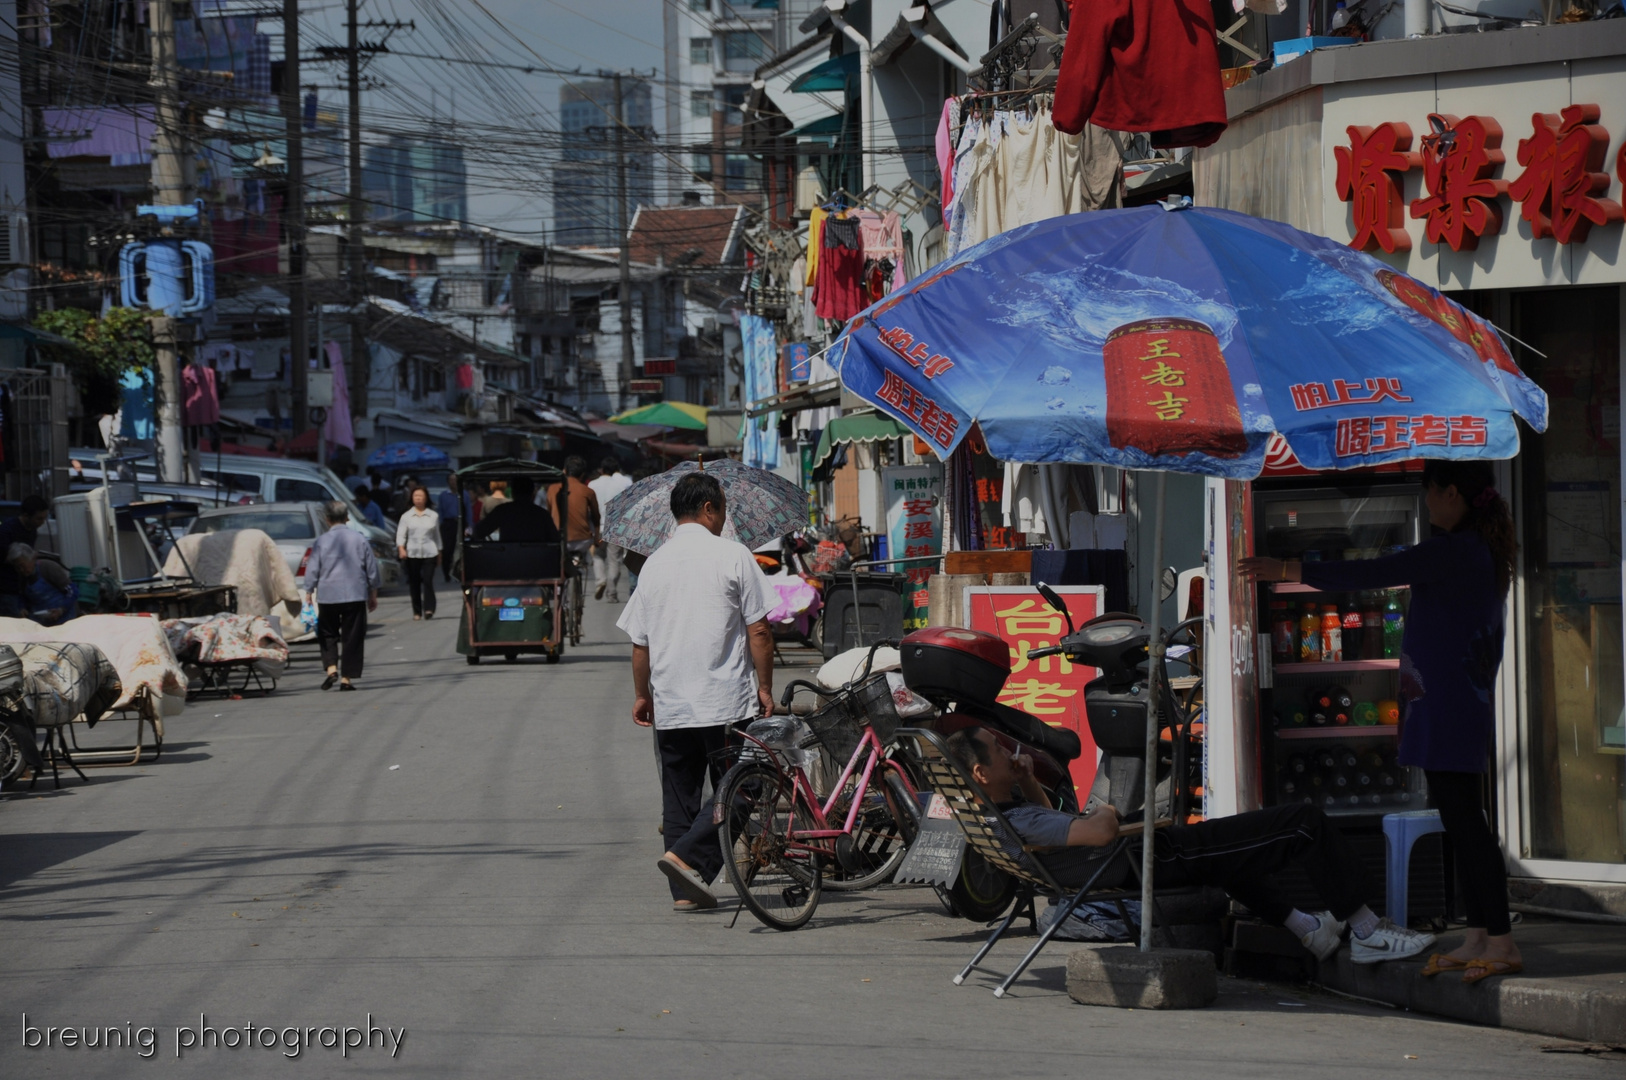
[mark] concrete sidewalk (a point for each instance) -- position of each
(1573, 985)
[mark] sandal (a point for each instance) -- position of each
(1442, 962)
(1484, 969)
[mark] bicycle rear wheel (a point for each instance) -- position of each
(879, 840)
(780, 885)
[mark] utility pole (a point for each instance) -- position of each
(624, 256)
(293, 211)
(359, 359)
(169, 189)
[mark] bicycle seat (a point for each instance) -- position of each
(1058, 742)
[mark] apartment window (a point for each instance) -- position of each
(700, 102)
(700, 50)
(745, 45)
(734, 104)
(699, 5)
(742, 173)
(700, 165)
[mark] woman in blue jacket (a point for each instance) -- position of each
(1450, 651)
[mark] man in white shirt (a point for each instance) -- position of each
(698, 627)
(608, 559)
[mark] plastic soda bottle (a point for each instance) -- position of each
(1309, 635)
(1394, 626)
(1332, 634)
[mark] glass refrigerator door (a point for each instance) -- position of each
(1329, 701)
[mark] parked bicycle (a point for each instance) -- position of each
(783, 842)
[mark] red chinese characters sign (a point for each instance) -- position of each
(1457, 162)
(1557, 189)
(1560, 190)
(1050, 688)
(1369, 171)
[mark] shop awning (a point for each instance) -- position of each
(826, 127)
(802, 107)
(860, 428)
(832, 74)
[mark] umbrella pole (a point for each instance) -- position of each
(1155, 692)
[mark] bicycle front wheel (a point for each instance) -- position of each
(779, 883)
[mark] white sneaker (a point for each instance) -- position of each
(1324, 940)
(1388, 942)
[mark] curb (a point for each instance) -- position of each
(1585, 1008)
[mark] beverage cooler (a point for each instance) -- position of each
(1304, 686)
(1329, 680)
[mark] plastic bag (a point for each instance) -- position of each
(307, 614)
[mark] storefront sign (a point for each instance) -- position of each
(1050, 688)
(914, 529)
(1559, 190)
(795, 362)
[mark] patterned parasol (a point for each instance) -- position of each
(762, 507)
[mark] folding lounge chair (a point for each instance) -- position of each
(991, 836)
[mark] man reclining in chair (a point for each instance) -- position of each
(1237, 854)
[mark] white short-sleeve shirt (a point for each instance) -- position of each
(695, 598)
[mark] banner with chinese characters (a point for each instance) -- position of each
(914, 527)
(1050, 688)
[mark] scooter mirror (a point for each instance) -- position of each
(1169, 583)
(1056, 602)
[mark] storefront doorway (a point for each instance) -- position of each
(1567, 485)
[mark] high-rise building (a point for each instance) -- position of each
(585, 211)
(713, 48)
(415, 180)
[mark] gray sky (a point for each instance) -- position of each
(504, 119)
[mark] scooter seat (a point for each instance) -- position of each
(1057, 742)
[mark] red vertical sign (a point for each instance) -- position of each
(1051, 687)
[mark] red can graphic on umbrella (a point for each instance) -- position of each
(1462, 324)
(1169, 390)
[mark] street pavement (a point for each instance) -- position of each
(468, 853)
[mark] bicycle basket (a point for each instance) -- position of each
(839, 726)
(874, 699)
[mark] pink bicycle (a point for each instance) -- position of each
(781, 840)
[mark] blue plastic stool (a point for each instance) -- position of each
(1402, 831)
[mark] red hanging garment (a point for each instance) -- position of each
(838, 292)
(1142, 65)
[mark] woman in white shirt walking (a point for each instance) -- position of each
(418, 539)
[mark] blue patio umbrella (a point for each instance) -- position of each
(407, 455)
(1180, 339)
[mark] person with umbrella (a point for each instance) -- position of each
(609, 559)
(702, 658)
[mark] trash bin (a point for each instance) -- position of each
(877, 614)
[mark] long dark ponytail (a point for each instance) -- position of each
(1488, 512)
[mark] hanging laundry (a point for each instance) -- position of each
(944, 145)
(839, 292)
(815, 241)
(1016, 167)
(1143, 65)
(882, 235)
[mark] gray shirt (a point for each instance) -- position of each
(342, 567)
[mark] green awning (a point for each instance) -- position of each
(860, 428)
(830, 75)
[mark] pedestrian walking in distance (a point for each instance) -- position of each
(417, 540)
(699, 631)
(342, 576)
(1449, 653)
(608, 559)
(449, 504)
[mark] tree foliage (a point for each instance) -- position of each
(110, 344)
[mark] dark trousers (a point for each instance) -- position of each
(341, 630)
(687, 755)
(448, 547)
(1480, 866)
(1238, 854)
(420, 574)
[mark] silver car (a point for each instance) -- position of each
(293, 527)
